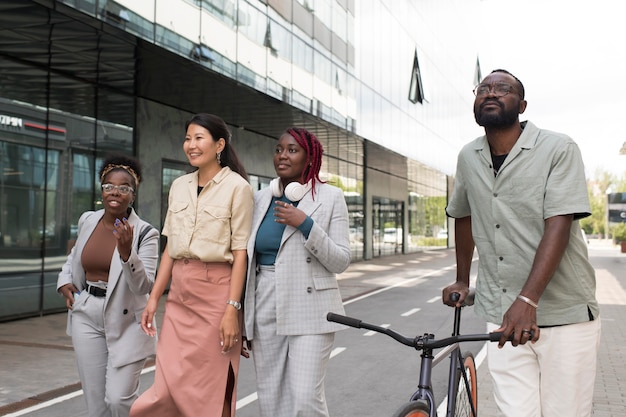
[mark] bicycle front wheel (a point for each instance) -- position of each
(413, 409)
(467, 393)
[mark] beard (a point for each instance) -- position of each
(503, 118)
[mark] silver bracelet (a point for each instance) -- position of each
(527, 300)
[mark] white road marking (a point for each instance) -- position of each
(410, 312)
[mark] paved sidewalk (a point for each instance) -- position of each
(37, 359)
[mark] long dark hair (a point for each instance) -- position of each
(218, 129)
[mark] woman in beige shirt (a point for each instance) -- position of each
(207, 225)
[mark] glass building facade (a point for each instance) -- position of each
(387, 90)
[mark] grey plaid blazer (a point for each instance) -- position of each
(127, 292)
(305, 268)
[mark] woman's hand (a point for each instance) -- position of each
(147, 317)
(68, 291)
(229, 329)
(287, 213)
(123, 232)
(246, 347)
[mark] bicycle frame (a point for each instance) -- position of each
(426, 344)
(427, 362)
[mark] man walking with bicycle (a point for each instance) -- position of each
(518, 195)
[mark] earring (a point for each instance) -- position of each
(219, 157)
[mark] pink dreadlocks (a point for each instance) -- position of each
(314, 151)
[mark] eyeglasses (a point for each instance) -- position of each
(122, 189)
(498, 89)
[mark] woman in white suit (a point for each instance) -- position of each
(105, 281)
(299, 242)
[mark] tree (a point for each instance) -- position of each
(597, 188)
(596, 223)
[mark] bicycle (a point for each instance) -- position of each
(462, 396)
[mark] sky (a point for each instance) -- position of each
(571, 57)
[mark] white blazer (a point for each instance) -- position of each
(305, 268)
(127, 292)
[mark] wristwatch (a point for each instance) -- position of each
(235, 304)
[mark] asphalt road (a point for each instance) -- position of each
(369, 374)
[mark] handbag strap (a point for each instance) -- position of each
(143, 234)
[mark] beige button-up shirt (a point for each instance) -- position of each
(211, 225)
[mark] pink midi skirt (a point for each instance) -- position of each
(191, 370)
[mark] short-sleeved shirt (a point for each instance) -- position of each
(543, 176)
(210, 225)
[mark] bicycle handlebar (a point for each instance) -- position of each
(469, 299)
(426, 341)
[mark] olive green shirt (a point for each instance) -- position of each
(543, 176)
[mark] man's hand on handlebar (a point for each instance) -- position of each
(458, 287)
(520, 320)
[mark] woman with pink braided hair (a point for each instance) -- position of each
(299, 242)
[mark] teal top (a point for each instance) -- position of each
(270, 234)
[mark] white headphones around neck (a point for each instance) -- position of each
(294, 191)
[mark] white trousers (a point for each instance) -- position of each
(553, 377)
(109, 391)
(290, 370)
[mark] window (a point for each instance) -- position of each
(252, 23)
(302, 54)
(224, 10)
(202, 52)
(279, 40)
(339, 81)
(170, 170)
(416, 90)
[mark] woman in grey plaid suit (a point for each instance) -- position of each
(299, 242)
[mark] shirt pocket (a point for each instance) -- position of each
(325, 282)
(178, 213)
(526, 197)
(214, 224)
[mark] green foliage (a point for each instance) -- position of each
(431, 241)
(598, 187)
(434, 213)
(619, 232)
(596, 223)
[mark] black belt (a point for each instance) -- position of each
(97, 291)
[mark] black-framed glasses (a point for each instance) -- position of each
(498, 89)
(122, 189)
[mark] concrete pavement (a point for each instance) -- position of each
(37, 359)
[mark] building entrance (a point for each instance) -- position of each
(387, 221)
